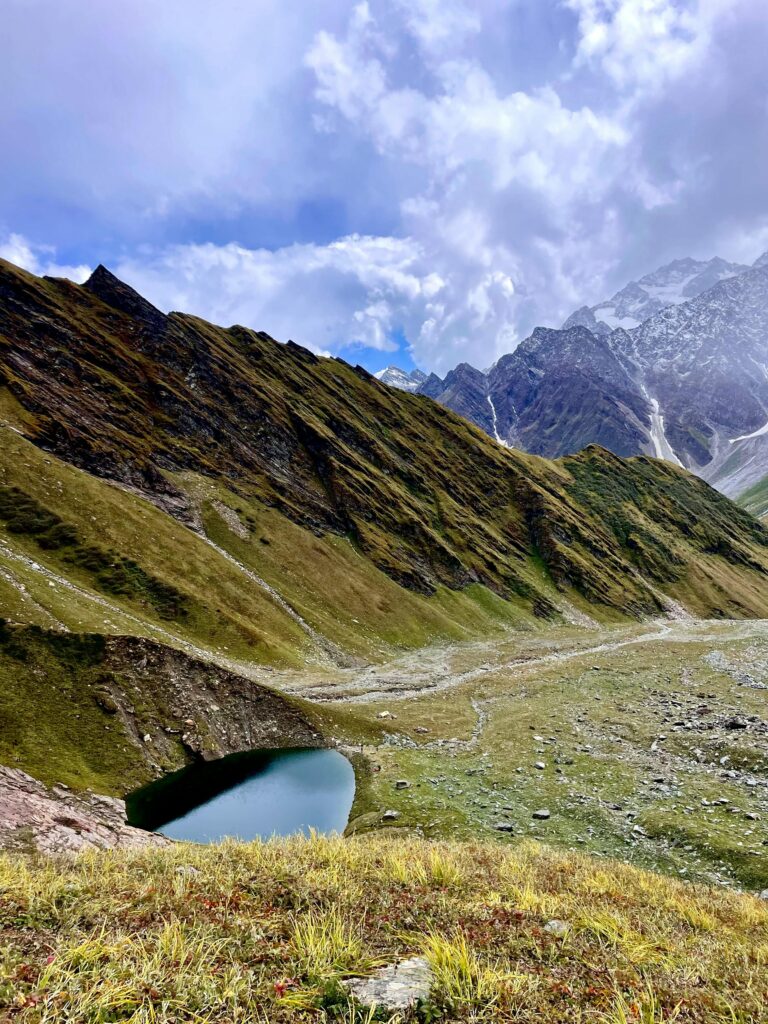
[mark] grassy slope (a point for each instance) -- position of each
(265, 932)
(324, 578)
(755, 500)
(420, 493)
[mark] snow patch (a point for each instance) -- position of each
(662, 449)
(500, 439)
(747, 437)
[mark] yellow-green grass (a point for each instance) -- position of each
(339, 593)
(266, 932)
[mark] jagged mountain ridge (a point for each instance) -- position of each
(403, 379)
(113, 386)
(689, 384)
(672, 284)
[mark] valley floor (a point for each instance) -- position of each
(646, 743)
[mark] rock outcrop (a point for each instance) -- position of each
(56, 820)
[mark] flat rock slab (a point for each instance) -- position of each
(56, 820)
(396, 987)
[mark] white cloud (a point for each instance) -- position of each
(485, 156)
(645, 43)
(502, 161)
(39, 259)
(530, 138)
(356, 290)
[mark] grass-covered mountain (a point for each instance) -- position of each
(173, 408)
(243, 502)
(212, 542)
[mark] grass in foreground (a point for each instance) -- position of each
(265, 932)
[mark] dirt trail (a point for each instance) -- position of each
(430, 671)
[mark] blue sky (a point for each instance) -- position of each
(417, 182)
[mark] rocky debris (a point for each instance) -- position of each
(396, 987)
(211, 710)
(232, 519)
(55, 820)
(504, 826)
(542, 815)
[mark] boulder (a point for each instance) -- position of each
(396, 987)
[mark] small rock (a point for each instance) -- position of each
(735, 723)
(504, 826)
(396, 987)
(764, 894)
(557, 928)
(402, 784)
(540, 765)
(390, 815)
(542, 814)
(187, 869)
(147, 738)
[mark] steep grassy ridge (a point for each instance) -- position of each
(114, 386)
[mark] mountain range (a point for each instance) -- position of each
(100, 378)
(397, 378)
(675, 365)
(212, 542)
(174, 493)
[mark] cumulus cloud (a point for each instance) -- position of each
(355, 291)
(40, 259)
(449, 171)
(646, 43)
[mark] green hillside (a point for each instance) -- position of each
(97, 376)
(755, 500)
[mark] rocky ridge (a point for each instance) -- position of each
(682, 378)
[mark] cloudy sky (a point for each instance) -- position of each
(411, 181)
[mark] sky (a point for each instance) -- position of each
(418, 182)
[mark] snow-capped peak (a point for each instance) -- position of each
(670, 285)
(397, 378)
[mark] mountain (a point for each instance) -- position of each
(689, 384)
(671, 284)
(397, 378)
(246, 502)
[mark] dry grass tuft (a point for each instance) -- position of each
(265, 932)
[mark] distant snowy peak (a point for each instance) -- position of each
(670, 285)
(761, 261)
(397, 378)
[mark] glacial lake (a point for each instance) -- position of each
(252, 795)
